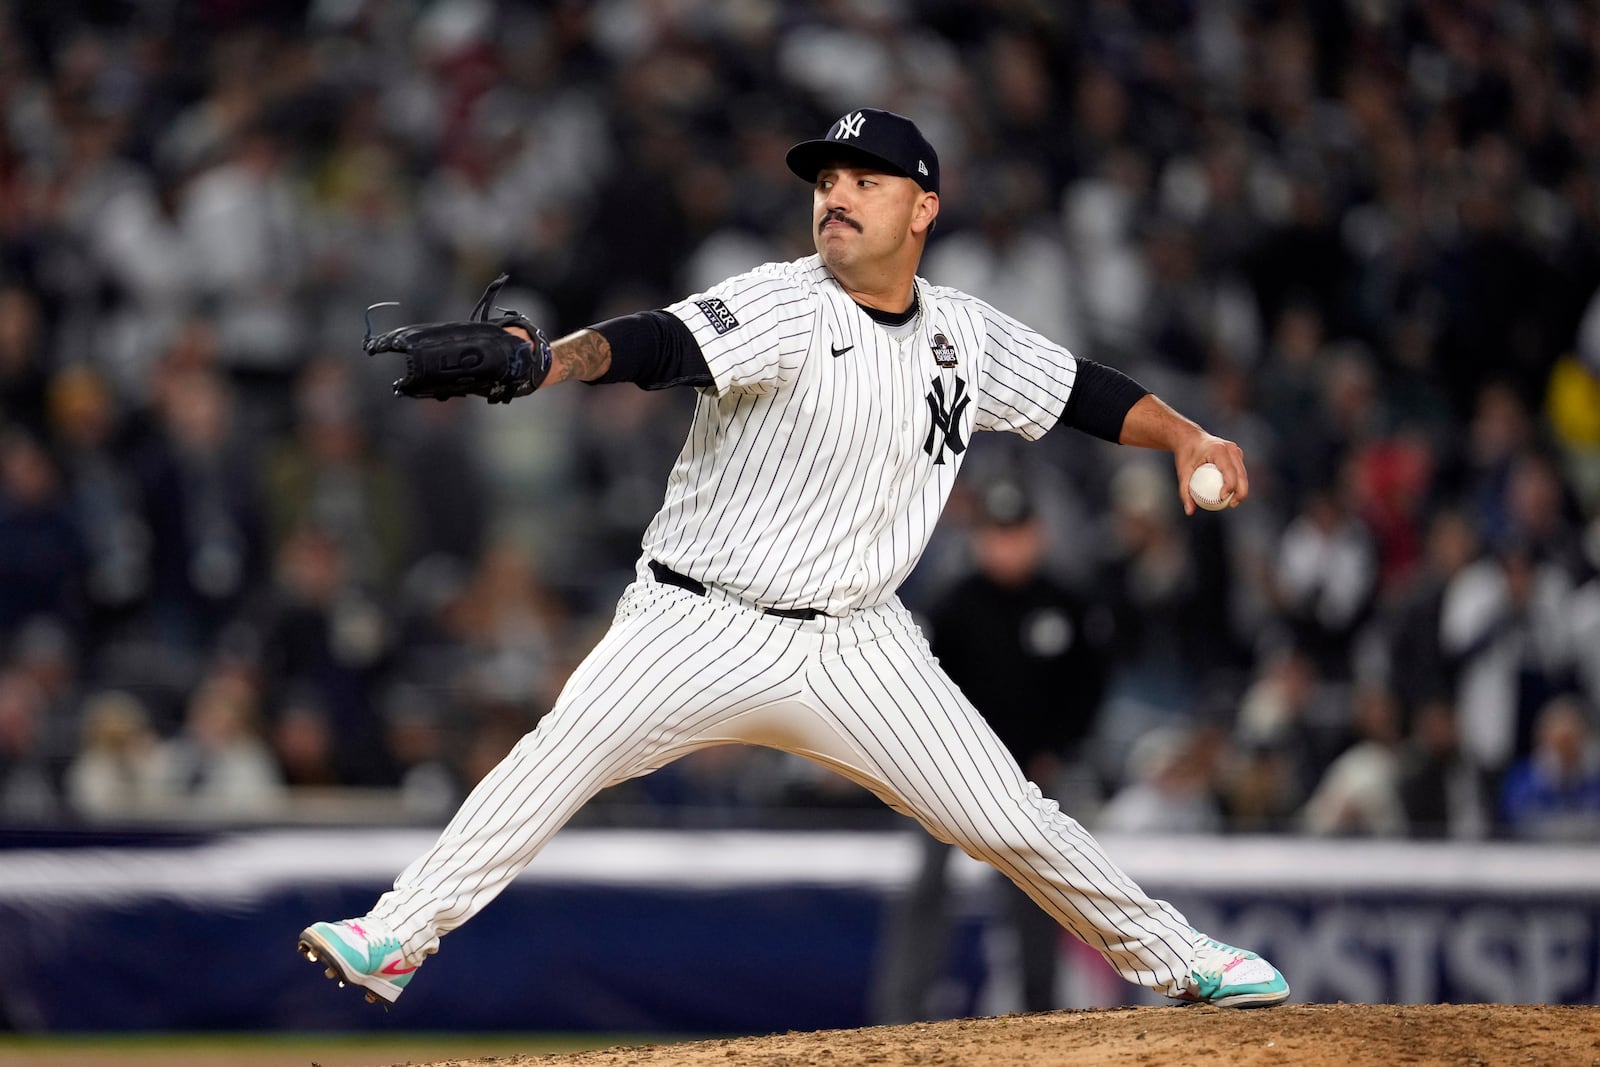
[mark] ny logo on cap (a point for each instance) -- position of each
(850, 126)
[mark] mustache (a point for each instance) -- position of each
(838, 215)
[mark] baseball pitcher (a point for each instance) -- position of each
(836, 397)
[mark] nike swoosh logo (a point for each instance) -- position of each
(837, 352)
(395, 967)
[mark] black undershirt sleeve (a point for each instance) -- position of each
(654, 350)
(1100, 399)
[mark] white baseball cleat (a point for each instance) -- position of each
(361, 952)
(1232, 978)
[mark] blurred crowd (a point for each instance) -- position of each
(1360, 238)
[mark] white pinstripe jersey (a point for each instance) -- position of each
(816, 467)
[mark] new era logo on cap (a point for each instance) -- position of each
(882, 138)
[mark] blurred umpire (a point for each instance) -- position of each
(1013, 638)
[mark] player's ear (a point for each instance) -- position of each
(924, 214)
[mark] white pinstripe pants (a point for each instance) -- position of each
(679, 672)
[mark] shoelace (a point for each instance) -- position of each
(1212, 957)
(377, 945)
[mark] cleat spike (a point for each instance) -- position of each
(372, 998)
(331, 973)
(341, 985)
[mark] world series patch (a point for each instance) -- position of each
(717, 314)
(944, 353)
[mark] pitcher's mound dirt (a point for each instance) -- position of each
(1303, 1035)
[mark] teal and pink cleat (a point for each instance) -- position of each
(1232, 978)
(361, 952)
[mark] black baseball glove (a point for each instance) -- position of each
(473, 358)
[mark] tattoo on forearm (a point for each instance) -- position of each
(584, 355)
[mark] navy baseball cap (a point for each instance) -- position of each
(882, 138)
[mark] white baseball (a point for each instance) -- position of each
(1205, 487)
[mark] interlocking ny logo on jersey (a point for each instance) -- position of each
(946, 420)
(850, 126)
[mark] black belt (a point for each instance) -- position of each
(667, 576)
